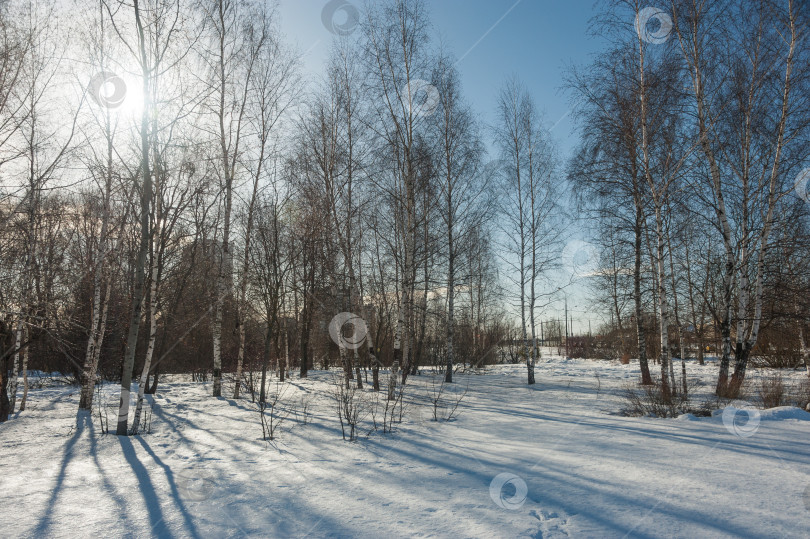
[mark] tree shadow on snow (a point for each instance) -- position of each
(83, 421)
(192, 529)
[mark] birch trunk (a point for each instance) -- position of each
(229, 145)
(143, 250)
(663, 307)
(694, 56)
(531, 322)
(532, 296)
(522, 238)
(408, 272)
(94, 351)
(281, 367)
(344, 362)
(286, 348)
(451, 294)
(265, 360)
(676, 311)
(88, 371)
(240, 357)
(150, 349)
(804, 348)
(398, 337)
(100, 281)
(420, 342)
(30, 258)
(25, 376)
(659, 226)
(525, 344)
(222, 290)
(741, 362)
(242, 306)
(644, 365)
(15, 362)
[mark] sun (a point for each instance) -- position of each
(120, 95)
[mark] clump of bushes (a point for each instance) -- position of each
(773, 391)
(653, 400)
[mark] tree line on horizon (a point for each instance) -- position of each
(177, 197)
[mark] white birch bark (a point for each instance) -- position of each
(15, 359)
(657, 194)
(242, 305)
(25, 377)
(150, 349)
(773, 196)
(804, 348)
(100, 276)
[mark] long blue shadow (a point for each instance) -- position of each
(83, 421)
(157, 524)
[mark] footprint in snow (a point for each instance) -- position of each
(552, 525)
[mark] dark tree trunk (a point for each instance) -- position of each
(304, 353)
(153, 388)
(646, 379)
(4, 401)
(265, 363)
(725, 328)
(743, 354)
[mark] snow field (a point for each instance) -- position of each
(551, 460)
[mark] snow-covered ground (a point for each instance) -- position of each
(552, 460)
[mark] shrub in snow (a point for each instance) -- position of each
(350, 406)
(771, 391)
(445, 399)
(301, 411)
(272, 411)
(801, 394)
(653, 401)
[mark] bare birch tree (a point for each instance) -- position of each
(464, 196)
(748, 117)
(398, 60)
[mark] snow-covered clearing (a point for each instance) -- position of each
(205, 471)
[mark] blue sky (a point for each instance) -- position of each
(537, 40)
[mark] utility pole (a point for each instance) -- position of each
(571, 327)
(566, 327)
(542, 338)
